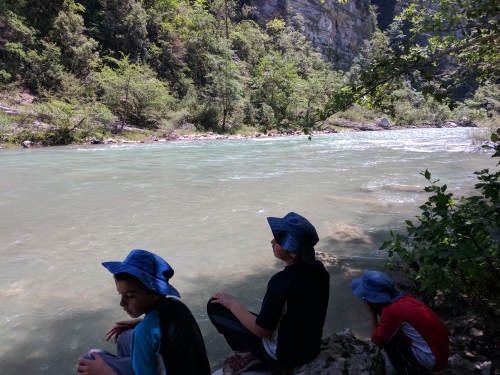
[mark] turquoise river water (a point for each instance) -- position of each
(202, 205)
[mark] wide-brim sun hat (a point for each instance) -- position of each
(151, 270)
(376, 287)
(295, 234)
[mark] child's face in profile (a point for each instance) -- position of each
(135, 299)
(281, 253)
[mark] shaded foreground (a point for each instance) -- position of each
(474, 346)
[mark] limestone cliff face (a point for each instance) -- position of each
(336, 29)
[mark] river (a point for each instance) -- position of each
(202, 205)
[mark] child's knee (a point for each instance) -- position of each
(210, 305)
(124, 343)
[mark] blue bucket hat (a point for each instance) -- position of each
(376, 287)
(151, 270)
(295, 234)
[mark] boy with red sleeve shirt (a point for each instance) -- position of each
(411, 334)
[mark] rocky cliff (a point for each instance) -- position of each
(336, 29)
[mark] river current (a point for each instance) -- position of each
(202, 205)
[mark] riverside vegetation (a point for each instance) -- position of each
(92, 68)
(450, 256)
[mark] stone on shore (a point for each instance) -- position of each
(341, 354)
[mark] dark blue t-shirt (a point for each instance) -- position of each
(303, 289)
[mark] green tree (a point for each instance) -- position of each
(133, 93)
(249, 42)
(68, 33)
(224, 86)
(463, 36)
(37, 62)
(62, 123)
(40, 67)
(198, 33)
(39, 14)
(315, 92)
(123, 28)
(18, 39)
(486, 99)
(224, 12)
(275, 85)
(166, 51)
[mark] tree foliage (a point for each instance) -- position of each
(215, 65)
(133, 93)
(205, 58)
(123, 28)
(448, 42)
(78, 52)
(452, 252)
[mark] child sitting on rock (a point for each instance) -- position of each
(287, 331)
(168, 339)
(413, 337)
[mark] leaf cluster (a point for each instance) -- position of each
(449, 43)
(452, 252)
(160, 63)
(209, 64)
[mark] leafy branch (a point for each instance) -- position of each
(472, 52)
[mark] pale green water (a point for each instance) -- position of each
(203, 207)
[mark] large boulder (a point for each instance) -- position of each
(341, 354)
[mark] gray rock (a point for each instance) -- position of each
(336, 29)
(30, 144)
(341, 354)
(95, 141)
(383, 122)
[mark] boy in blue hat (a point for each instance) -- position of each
(411, 334)
(168, 339)
(287, 331)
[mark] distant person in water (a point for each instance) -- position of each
(288, 329)
(168, 339)
(411, 334)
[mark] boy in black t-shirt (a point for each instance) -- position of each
(287, 331)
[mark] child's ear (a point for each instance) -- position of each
(155, 295)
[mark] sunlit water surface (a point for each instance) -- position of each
(203, 207)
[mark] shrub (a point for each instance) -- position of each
(6, 127)
(452, 253)
(426, 110)
(357, 113)
(61, 123)
(133, 93)
(206, 118)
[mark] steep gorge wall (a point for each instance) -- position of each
(336, 29)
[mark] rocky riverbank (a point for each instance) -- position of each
(189, 134)
(124, 134)
(474, 347)
(331, 127)
(473, 351)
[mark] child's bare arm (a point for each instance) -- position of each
(241, 313)
(119, 327)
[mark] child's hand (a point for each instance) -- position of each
(94, 367)
(119, 327)
(225, 299)
(369, 307)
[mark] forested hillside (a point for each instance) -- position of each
(91, 66)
